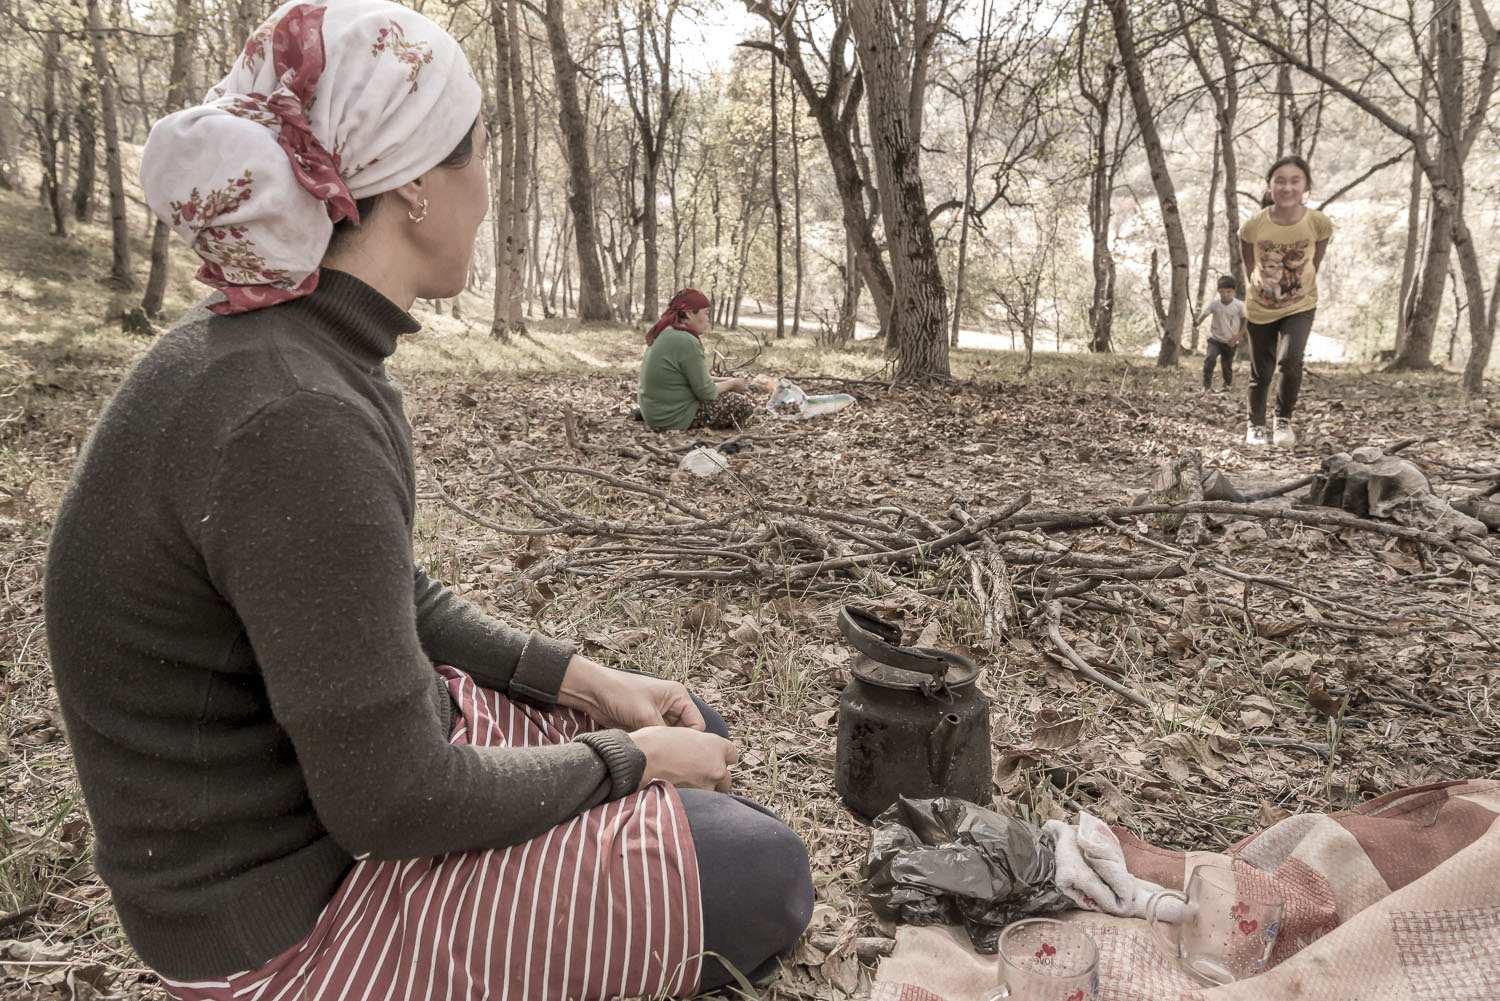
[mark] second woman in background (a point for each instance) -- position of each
(676, 391)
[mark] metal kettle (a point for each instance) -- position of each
(911, 722)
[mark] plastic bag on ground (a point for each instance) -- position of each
(704, 461)
(948, 861)
(788, 401)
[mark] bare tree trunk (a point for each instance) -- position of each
(796, 218)
(973, 112)
(502, 187)
(1208, 240)
(120, 265)
(49, 132)
(920, 303)
(520, 181)
(1226, 111)
(1101, 188)
(87, 132)
(1416, 351)
(836, 108)
(1407, 301)
(1166, 194)
(778, 223)
(593, 299)
(1481, 327)
(843, 330)
(183, 32)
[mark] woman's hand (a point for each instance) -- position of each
(625, 701)
(686, 758)
(732, 386)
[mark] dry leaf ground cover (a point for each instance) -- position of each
(1285, 666)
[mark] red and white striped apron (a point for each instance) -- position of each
(605, 905)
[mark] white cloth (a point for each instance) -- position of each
(328, 102)
(1091, 871)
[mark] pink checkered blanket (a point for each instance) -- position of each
(1397, 900)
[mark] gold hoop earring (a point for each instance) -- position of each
(418, 216)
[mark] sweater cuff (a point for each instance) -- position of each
(625, 761)
(540, 669)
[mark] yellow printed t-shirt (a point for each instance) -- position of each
(1285, 281)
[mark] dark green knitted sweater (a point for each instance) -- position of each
(243, 646)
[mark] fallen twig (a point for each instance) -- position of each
(1054, 620)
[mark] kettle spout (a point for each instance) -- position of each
(942, 746)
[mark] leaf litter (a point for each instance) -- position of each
(954, 510)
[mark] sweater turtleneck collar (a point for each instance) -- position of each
(357, 316)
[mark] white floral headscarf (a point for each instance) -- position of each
(329, 102)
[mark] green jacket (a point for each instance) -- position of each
(674, 380)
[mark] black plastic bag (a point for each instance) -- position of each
(948, 861)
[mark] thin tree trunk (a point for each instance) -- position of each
(520, 180)
(796, 217)
(1445, 216)
(973, 107)
(1208, 239)
(776, 206)
(120, 264)
(1481, 326)
(593, 299)
(836, 108)
(502, 186)
(87, 131)
(1101, 190)
(48, 140)
(1166, 194)
(183, 31)
(1226, 112)
(843, 331)
(1406, 303)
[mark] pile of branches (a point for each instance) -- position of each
(1017, 564)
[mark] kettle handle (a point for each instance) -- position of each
(881, 641)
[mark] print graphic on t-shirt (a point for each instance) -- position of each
(1281, 267)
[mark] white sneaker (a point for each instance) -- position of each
(1282, 435)
(1256, 434)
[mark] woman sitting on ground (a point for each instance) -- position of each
(675, 391)
(310, 768)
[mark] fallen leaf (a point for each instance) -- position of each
(1253, 718)
(1054, 733)
(1293, 664)
(700, 616)
(1270, 813)
(22, 951)
(1321, 700)
(842, 972)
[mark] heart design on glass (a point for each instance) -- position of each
(1240, 908)
(1076, 995)
(1046, 950)
(1246, 927)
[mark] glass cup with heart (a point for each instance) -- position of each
(1043, 959)
(1228, 927)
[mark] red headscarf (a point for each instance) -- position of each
(675, 315)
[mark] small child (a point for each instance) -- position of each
(1224, 333)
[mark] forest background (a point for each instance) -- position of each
(993, 224)
(1068, 175)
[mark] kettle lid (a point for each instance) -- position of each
(890, 665)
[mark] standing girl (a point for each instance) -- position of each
(1283, 247)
